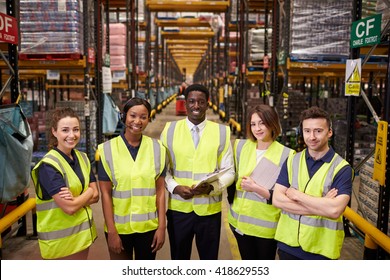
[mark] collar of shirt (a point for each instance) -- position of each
(68, 159)
(314, 165)
(326, 158)
(127, 143)
(201, 126)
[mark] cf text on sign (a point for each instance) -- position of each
(8, 29)
(366, 31)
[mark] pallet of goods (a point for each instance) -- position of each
(51, 30)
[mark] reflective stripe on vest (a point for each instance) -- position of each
(52, 157)
(253, 221)
(135, 218)
(108, 157)
(63, 233)
(307, 220)
(240, 144)
(251, 196)
(134, 192)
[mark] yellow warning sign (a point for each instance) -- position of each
(380, 153)
(353, 77)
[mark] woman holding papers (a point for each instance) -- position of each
(258, 160)
(131, 179)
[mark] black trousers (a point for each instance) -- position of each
(182, 227)
(286, 256)
(255, 248)
(137, 244)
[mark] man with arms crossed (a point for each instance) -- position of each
(313, 189)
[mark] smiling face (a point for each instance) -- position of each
(137, 118)
(261, 132)
(316, 133)
(67, 134)
(196, 105)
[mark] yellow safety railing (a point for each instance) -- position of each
(12, 217)
(235, 124)
(373, 236)
(222, 114)
(153, 113)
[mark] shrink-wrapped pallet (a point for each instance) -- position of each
(382, 8)
(320, 29)
(257, 44)
(52, 28)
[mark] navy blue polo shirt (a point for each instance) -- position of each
(51, 180)
(102, 174)
(342, 182)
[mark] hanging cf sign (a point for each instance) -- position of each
(366, 31)
(8, 29)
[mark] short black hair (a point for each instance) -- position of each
(134, 102)
(196, 87)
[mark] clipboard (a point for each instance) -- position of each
(209, 178)
(265, 173)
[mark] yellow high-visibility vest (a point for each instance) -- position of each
(250, 213)
(133, 182)
(190, 165)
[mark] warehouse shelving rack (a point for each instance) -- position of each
(247, 72)
(23, 204)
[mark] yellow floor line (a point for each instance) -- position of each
(230, 236)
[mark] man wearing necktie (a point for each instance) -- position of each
(196, 147)
(195, 135)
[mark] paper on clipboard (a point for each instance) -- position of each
(209, 178)
(265, 173)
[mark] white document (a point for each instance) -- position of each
(209, 178)
(265, 173)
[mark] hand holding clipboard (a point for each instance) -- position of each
(211, 177)
(204, 185)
